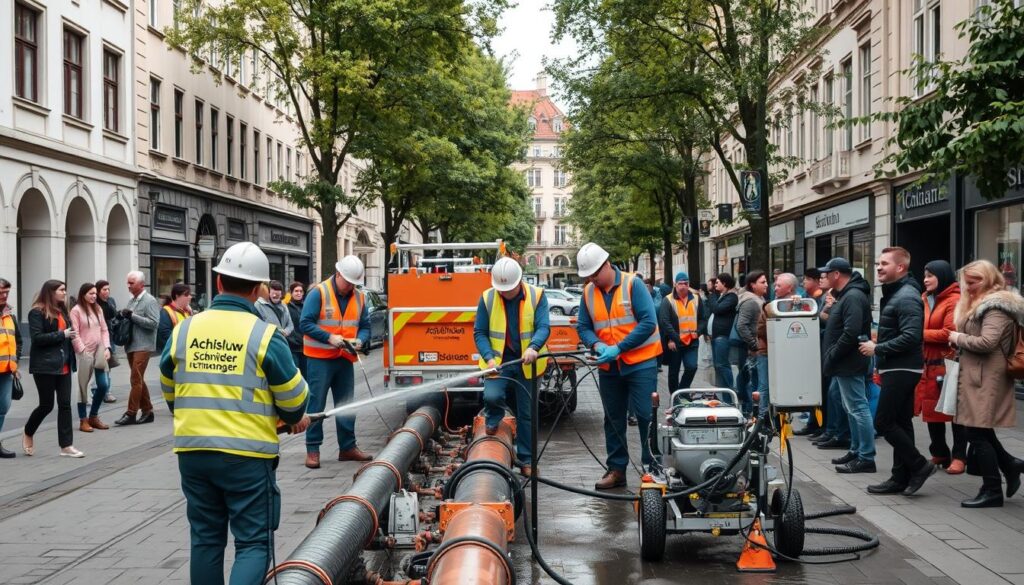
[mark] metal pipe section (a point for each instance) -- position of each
(348, 523)
(485, 486)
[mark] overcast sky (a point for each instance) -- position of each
(526, 41)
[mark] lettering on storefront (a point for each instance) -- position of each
(283, 238)
(275, 237)
(916, 201)
(826, 220)
(847, 215)
(1015, 177)
(169, 218)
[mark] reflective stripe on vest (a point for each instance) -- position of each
(498, 326)
(8, 345)
(686, 315)
(222, 399)
(175, 315)
(615, 323)
(333, 322)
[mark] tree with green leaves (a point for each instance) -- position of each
(971, 121)
(343, 65)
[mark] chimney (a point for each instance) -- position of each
(542, 83)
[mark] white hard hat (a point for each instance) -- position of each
(506, 274)
(246, 261)
(351, 269)
(589, 259)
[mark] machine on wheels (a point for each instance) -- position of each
(558, 384)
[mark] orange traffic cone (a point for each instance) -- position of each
(756, 559)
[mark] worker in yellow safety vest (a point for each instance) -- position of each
(512, 323)
(682, 318)
(228, 378)
(10, 353)
(619, 323)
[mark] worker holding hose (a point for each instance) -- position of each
(512, 322)
(619, 324)
(334, 322)
(228, 380)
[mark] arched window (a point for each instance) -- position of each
(547, 261)
(532, 260)
(562, 261)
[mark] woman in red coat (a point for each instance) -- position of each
(940, 298)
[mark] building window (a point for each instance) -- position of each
(801, 136)
(813, 98)
(270, 159)
(243, 132)
(152, 13)
(829, 98)
(214, 137)
(556, 125)
(561, 178)
(199, 132)
(280, 175)
(179, 123)
(789, 133)
(537, 235)
(154, 113)
(537, 206)
(230, 146)
(111, 90)
(73, 80)
(288, 163)
(300, 165)
(865, 90)
(560, 206)
(26, 52)
(256, 157)
(175, 8)
(561, 235)
(533, 178)
(532, 123)
(927, 37)
(536, 151)
(847, 73)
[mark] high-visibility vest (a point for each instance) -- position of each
(686, 314)
(498, 326)
(175, 315)
(613, 324)
(332, 321)
(8, 345)
(222, 399)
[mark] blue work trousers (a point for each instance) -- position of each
(495, 401)
(338, 377)
(854, 394)
(6, 389)
(762, 384)
(683, 358)
(618, 391)
(720, 349)
(837, 423)
(746, 381)
(222, 491)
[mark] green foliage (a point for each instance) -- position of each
(971, 121)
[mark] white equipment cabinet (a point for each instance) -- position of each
(794, 354)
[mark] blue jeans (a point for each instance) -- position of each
(837, 423)
(98, 394)
(495, 391)
(223, 490)
(617, 391)
(338, 376)
(6, 388)
(762, 384)
(723, 368)
(746, 381)
(862, 429)
(684, 358)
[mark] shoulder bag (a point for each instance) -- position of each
(947, 397)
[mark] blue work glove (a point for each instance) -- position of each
(609, 353)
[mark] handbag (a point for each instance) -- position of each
(99, 361)
(113, 362)
(17, 391)
(947, 397)
(121, 330)
(1015, 361)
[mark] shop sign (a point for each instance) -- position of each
(918, 201)
(841, 217)
(782, 233)
(236, 230)
(725, 212)
(283, 239)
(169, 218)
(1014, 188)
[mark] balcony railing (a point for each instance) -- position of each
(540, 215)
(831, 171)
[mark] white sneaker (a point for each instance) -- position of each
(71, 452)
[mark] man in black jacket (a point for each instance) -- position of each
(900, 361)
(849, 322)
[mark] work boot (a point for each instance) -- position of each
(354, 454)
(984, 499)
(918, 478)
(96, 423)
(5, 454)
(887, 487)
(126, 419)
(611, 479)
(83, 425)
(313, 460)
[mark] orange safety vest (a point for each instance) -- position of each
(612, 325)
(332, 321)
(686, 313)
(8, 345)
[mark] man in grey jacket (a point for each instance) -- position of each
(748, 311)
(273, 311)
(144, 312)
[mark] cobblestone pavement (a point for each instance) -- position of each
(117, 516)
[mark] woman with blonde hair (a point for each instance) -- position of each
(92, 351)
(987, 319)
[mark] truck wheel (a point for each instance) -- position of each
(652, 525)
(557, 311)
(789, 523)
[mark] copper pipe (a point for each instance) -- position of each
(469, 561)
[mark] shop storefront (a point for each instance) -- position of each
(994, 230)
(183, 233)
(843, 230)
(924, 222)
(782, 241)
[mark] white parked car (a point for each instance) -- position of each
(561, 302)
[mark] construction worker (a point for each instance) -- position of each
(683, 318)
(334, 322)
(228, 379)
(618, 322)
(10, 354)
(512, 322)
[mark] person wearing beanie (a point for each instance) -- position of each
(683, 319)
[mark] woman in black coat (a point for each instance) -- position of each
(296, 292)
(51, 361)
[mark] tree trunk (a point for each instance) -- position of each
(760, 253)
(653, 263)
(329, 243)
(667, 268)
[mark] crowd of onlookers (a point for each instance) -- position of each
(876, 375)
